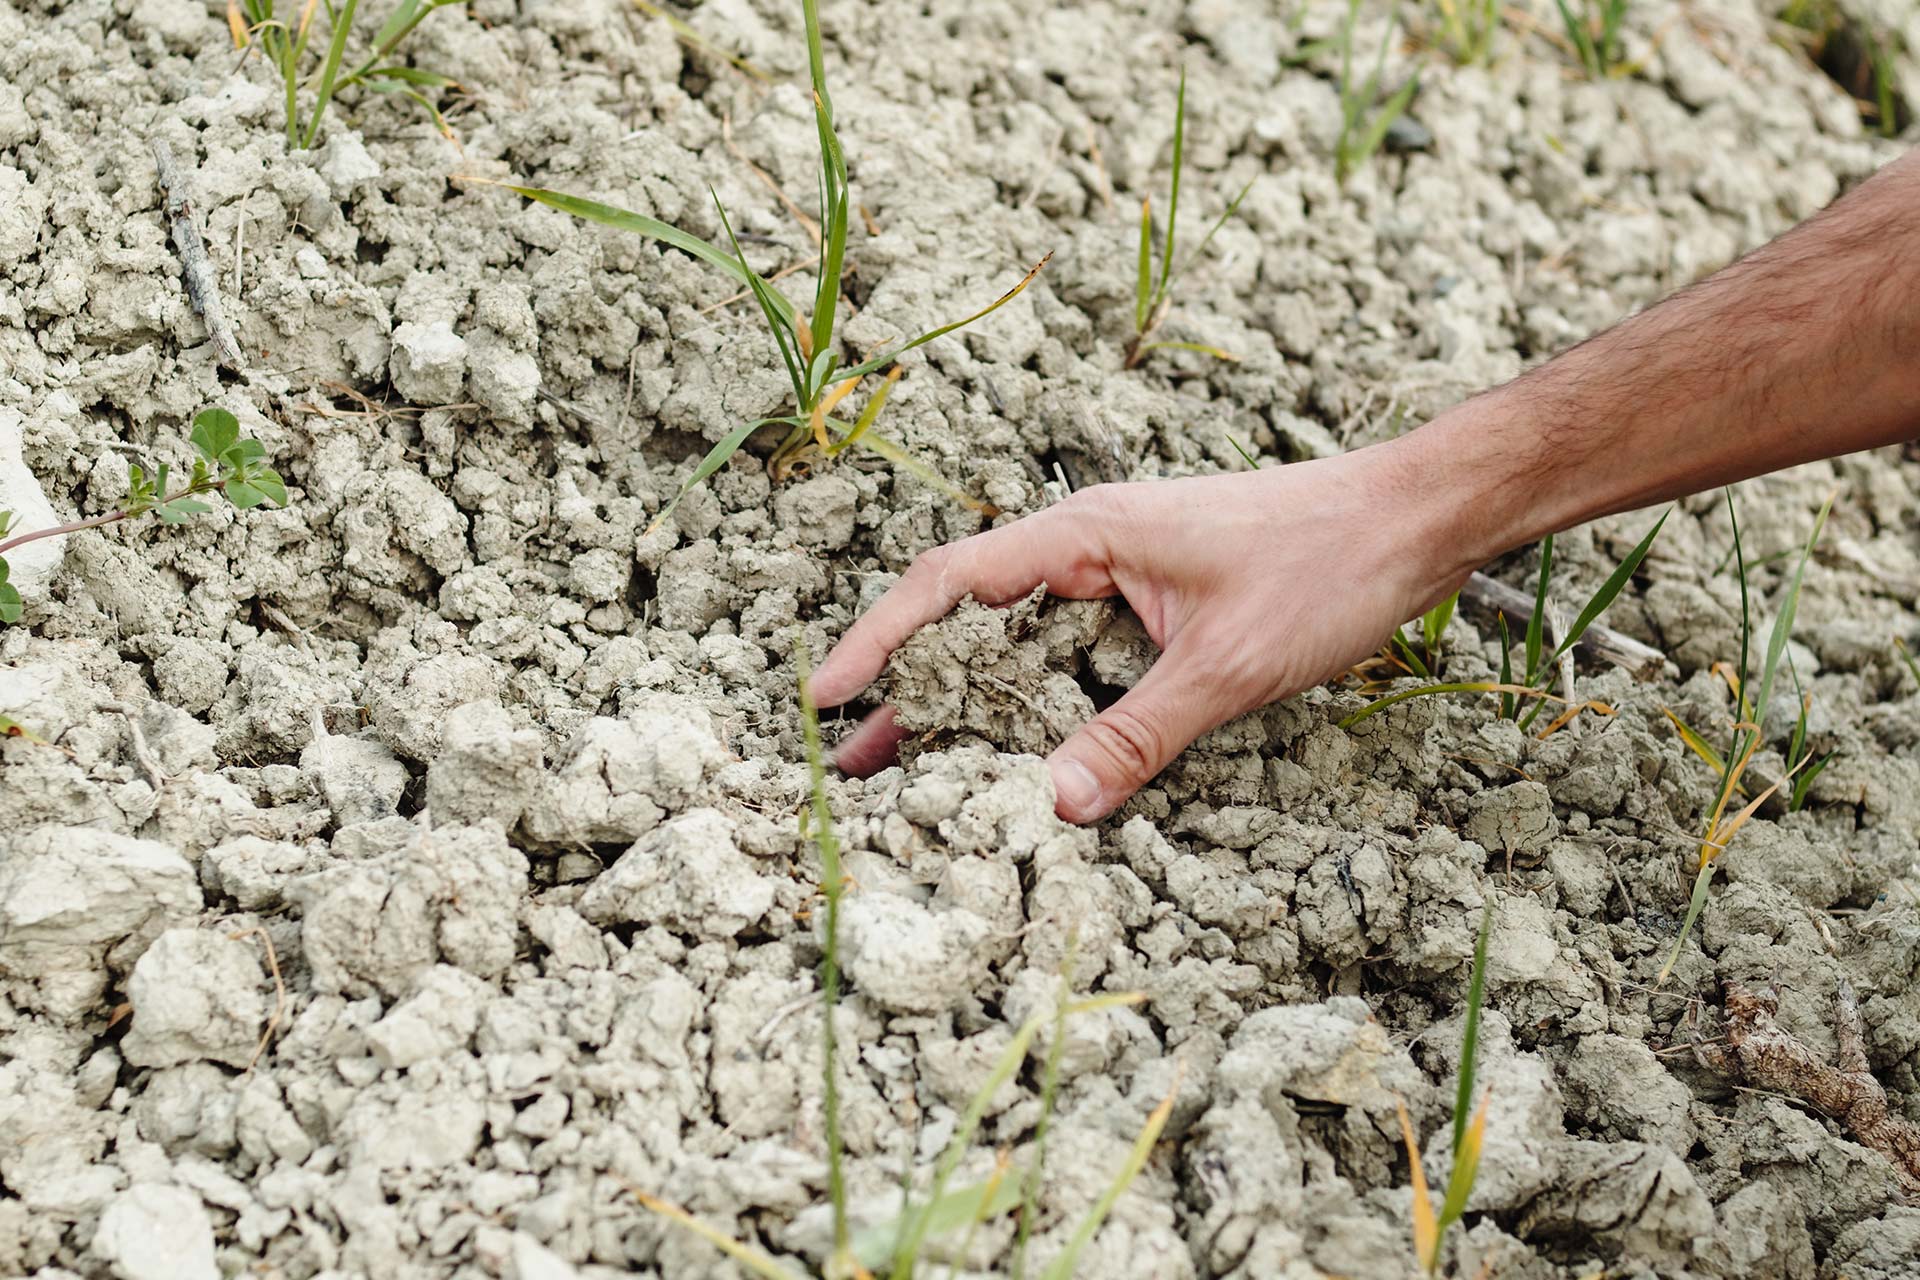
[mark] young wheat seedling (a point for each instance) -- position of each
(1540, 662)
(226, 463)
(1467, 28)
(1594, 33)
(285, 47)
(1360, 133)
(1151, 301)
(1748, 734)
(808, 344)
(1469, 1134)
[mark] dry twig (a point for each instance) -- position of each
(1759, 1053)
(203, 289)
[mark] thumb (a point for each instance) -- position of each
(1121, 749)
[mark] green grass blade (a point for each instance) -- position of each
(1470, 1034)
(1198, 348)
(1061, 1268)
(1143, 282)
(1611, 588)
(640, 224)
(1506, 668)
(1537, 623)
(1783, 622)
(1376, 131)
(1173, 199)
(827, 842)
(1695, 906)
(1434, 623)
(1798, 800)
(898, 454)
(957, 1208)
(690, 36)
(1252, 462)
(1233, 207)
(880, 362)
(1408, 656)
(816, 58)
(908, 1248)
(716, 458)
(1906, 656)
(330, 69)
(1429, 690)
(769, 299)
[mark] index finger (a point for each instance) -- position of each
(995, 567)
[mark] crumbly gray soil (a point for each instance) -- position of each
(510, 786)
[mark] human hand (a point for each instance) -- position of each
(1254, 585)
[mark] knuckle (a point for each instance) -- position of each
(1135, 743)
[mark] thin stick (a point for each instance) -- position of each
(203, 289)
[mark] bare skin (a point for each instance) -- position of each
(1806, 348)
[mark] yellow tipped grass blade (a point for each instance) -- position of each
(1200, 348)
(744, 1254)
(956, 1208)
(1426, 1228)
(868, 415)
(897, 454)
(1696, 744)
(1466, 1167)
(817, 420)
(692, 38)
(1568, 716)
(881, 362)
(1061, 1268)
(237, 24)
(11, 728)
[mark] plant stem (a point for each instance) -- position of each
(112, 517)
(828, 844)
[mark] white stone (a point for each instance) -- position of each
(32, 567)
(156, 1232)
(429, 362)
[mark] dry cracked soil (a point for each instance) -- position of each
(411, 874)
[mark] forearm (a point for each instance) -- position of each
(1806, 348)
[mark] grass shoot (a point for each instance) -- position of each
(1363, 126)
(1467, 28)
(1469, 1126)
(225, 463)
(1749, 731)
(808, 342)
(1151, 300)
(285, 46)
(690, 36)
(1593, 29)
(1540, 661)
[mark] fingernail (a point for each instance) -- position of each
(1074, 786)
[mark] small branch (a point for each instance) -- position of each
(203, 290)
(125, 513)
(279, 991)
(1642, 661)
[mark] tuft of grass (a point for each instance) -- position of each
(1363, 126)
(1467, 28)
(1594, 33)
(808, 342)
(285, 45)
(1749, 731)
(225, 463)
(1906, 656)
(1151, 300)
(1469, 1125)
(1531, 687)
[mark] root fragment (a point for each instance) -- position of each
(1759, 1053)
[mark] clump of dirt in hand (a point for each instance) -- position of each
(1008, 675)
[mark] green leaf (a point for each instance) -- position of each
(622, 220)
(715, 459)
(413, 76)
(1376, 131)
(1173, 199)
(770, 299)
(1064, 1262)
(1143, 282)
(214, 432)
(243, 495)
(1537, 623)
(1506, 668)
(10, 606)
(1783, 622)
(268, 482)
(955, 1208)
(1611, 588)
(880, 362)
(1470, 1034)
(330, 69)
(180, 509)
